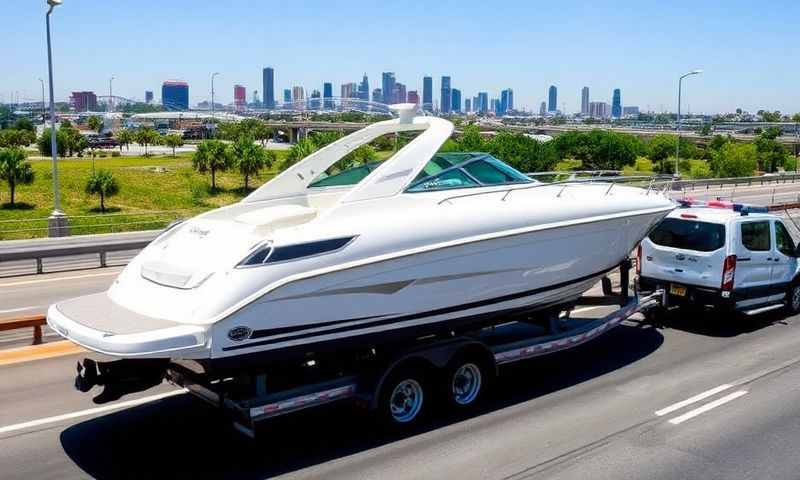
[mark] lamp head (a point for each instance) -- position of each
(696, 72)
(54, 3)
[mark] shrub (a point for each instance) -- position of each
(115, 154)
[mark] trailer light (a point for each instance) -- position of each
(688, 215)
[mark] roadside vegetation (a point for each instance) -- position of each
(103, 191)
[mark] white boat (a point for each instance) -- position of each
(419, 244)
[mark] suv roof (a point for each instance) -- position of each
(715, 215)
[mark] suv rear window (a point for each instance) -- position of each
(689, 235)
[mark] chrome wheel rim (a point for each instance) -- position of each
(406, 400)
(466, 384)
(796, 298)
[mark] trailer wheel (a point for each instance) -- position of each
(403, 397)
(466, 381)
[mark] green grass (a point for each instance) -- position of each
(153, 192)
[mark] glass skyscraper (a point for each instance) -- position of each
(287, 95)
(363, 88)
(387, 87)
(585, 101)
(552, 99)
(427, 94)
(175, 95)
(268, 93)
(327, 95)
(455, 104)
(616, 104)
(446, 98)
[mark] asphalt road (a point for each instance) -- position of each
(586, 413)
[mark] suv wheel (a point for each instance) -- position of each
(793, 298)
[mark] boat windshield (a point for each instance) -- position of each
(464, 170)
(350, 176)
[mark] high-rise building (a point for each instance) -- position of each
(455, 104)
(269, 87)
(427, 94)
(349, 90)
(256, 98)
(467, 105)
(377, 96)
(506, 101)
(148, 96)
(314, 102)
(446, 100)
(84, 101)
(363, 88)
(543, 109)
(599, 110)
(298, 93)
(387, 87)
(552, 99)
(483, 102)
(413, 97)
(495, 103)
(630, 111)
(327, 95)
(239, 97)
(399, 93)
(616, 104)
(585, 101)
(287, 96)
(175, 95)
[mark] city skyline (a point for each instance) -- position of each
(644, 63)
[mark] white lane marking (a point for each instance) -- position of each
(708, 406)
(45, 280)
(21, 309)
(689, 401)
(90, 411)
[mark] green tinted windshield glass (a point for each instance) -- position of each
(351, 176)
(451, 179)
(477, 168)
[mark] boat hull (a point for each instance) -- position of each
(456, 287)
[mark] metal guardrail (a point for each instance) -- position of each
(49, 248)
(34, 321)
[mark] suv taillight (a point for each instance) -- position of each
(639, 259)
(728, 271)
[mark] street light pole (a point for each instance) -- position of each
(44, 115)
(212, 93)
(110, 94)
(57, 222)
(678, 146)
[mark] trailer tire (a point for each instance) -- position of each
(466, 381)
(402, 401)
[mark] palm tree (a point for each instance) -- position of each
(102, 182)
(251, 158)
(147, 136)
(173, 142)
(95, 123)
(212, 156)
(14, 169)
(125, 137)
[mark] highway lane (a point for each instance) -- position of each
(33, 294)
(589, 413)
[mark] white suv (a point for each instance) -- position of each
(731, 258)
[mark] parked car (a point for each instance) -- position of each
(724, 256)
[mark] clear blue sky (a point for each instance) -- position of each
(749, 50)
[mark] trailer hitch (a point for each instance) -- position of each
(119, 377)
